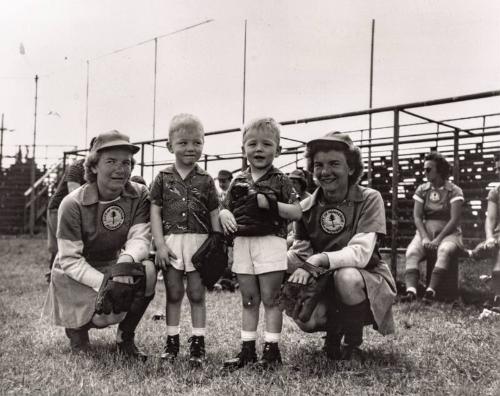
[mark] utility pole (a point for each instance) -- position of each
(33, 167)
(2, 130)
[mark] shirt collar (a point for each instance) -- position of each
(171, 169)
(354, 194)
(446, 186)
(271, 171)
(91, 193)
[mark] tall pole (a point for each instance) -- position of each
(371, 103)
(244, 160)
(394, 208)
(2, 130)
(87, 107)
(154, 109)
(33, 166)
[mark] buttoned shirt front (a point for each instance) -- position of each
(186, 203)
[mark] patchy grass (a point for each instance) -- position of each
(442, 349)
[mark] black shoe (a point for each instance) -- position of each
(171, 349)
(493, 305)
(408, 297)
(78, 339)
(271, 356)
(128, 349)
(196, 351)
(429, 297)
(246, 356)
(351, 352)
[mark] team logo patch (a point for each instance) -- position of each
(332, 221)
(434, 196)
(113, 217)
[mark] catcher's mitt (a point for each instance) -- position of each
(210, 260)
(252, 220)
(116, 296)
(482, 251)
(297, 300)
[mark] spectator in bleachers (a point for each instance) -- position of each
(299, 180)
(437, 211)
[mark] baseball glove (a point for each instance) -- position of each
(482, 251)
(252, 220)
(117, 296)
(297, 300)
(210, 260)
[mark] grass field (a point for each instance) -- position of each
(438, 350)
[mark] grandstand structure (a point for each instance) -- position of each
(393, 156)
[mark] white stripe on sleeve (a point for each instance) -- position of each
(457, 199)
(418, 199)
(75, 266)
(138, 241)
(357, 253)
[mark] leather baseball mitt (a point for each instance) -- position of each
(210, 260)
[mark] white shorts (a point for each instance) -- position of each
(259, 254)
(184, 246)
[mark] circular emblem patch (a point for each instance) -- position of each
(332, 221)
(434, 196)
(113, 217)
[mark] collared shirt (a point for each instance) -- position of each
(91, 232)
(75, 173)
(437, 201)
(273, 182)
(494, 197)
(330, 227)
(186, 203)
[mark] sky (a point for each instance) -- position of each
(304, 59)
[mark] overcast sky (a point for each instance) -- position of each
(304, 59)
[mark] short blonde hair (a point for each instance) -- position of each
(266, 124)
(185, 121)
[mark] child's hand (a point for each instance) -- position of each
(262, 201)
(228, 222)
(164, 256)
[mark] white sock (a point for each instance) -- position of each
(248, 335)
(198, 331)
(173, 330)
(271, 337)
(431, 290)
(412, 289)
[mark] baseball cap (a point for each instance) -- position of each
(113, 139)
(297, 174)
(224, 174)
(334, 137)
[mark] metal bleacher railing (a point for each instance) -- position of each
(395, 153)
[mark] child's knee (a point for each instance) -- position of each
(175, 294)
(270, 298)
(250, 301)
(196, 295)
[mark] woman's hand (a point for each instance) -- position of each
(228, 222)
(300, 276)
(164, 255)
(434, 244)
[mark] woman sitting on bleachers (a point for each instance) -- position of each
(437, 211)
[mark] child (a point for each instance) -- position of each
(258, 204)
(184, 210)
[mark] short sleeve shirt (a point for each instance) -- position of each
(273, 182)
(437, 201)
(186, 204)
(330, 227)
(75, 173)
(494, 197)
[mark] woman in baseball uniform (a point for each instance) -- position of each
(437, 211)
(101, 275)
(340, 226)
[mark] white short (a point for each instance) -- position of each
(259, 254)
(184, 246)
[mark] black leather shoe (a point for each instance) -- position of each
(128, 349)
(429, 297)
(245, 357)
(271, 356)
(408, 297)
(171, 349)
(196, 351)
(78, 339)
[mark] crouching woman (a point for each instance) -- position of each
(101, 275)
(340, 225)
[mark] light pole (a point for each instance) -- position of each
(2, 130)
